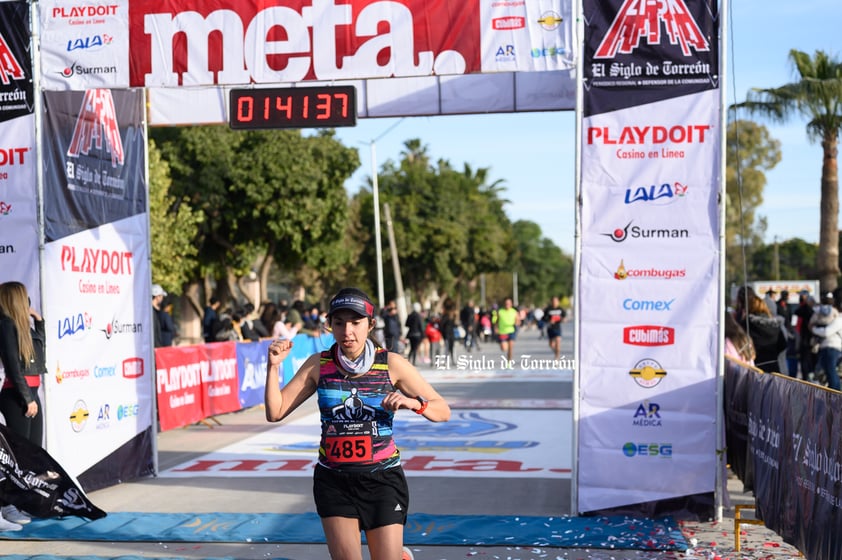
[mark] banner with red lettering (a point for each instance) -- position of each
(648, 284)
(179, 385)
(96, 286)
(18, 196)
(405, 57)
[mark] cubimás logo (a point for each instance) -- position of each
(649, 335)
(508, 22)
(647, 373)
(642, 19)
(637, 232)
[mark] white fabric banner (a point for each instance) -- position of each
(99, 337)
(18, 205)
(648, 301)
(84, 44)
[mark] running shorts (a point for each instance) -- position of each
(376, 498)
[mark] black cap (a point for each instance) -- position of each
(354, 300)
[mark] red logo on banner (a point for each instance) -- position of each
(97, 120)
(639, 19)
(509, 22)
(132, 368)
(9, 66)
(649, 335)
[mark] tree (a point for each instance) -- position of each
(449, 225)
(543, 268)
(816, 96)
(271, 197)
(173, 226)
(750, 151)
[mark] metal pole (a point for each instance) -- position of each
(396, 265)
(381, 298)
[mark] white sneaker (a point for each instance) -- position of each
(407, 554)
(13, 514)
(9, 526)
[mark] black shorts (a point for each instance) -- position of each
(377, 498)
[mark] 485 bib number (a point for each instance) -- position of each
(348, 448)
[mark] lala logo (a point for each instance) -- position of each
(10, 69)
(639, 19)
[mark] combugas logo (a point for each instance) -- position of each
(643, 19)
(623, 273)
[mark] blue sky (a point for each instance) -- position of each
(534, 153)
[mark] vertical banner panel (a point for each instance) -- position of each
(649, 268)
(18, 196)
(96, 284)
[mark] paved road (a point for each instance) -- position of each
(517, 396)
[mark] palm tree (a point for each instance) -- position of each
(817, 96)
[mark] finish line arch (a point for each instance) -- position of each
(639, 94)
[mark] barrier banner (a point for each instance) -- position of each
(794, 433)
(647, 280)
(251, 368)
(219, 379)
(34, 482)
(179, 375)
(736, 402)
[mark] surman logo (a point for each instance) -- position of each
(10, 69)
(641, 19)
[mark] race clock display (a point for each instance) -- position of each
(300, 107)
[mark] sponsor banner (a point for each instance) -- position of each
(640, 52)
(488, 443)
(199, 381)
(395, 97)
(33, 481)
(94, 159)
(676, 138)
(84, 44)
(99, 340)
(648, 279)
(16, 89)
(786, 435)
(198, 42)
(18, 205)
(179, 385)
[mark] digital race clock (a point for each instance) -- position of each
(300, 107)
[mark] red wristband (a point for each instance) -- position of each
(424, 403)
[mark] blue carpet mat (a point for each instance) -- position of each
(619, 532)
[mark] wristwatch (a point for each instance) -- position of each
(424, 402)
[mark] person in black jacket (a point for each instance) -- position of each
(19, 400)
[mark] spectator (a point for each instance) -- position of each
(806, 358)
(766, 331)
(468, 318)
(210, 319)
(414, 331)
(158, 295)
(738, 344)
(826, 326)
(391, 327)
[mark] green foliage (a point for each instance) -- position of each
(450, 226)
(750, 152)
(268, 196)
(816, 96)
(173, 227)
